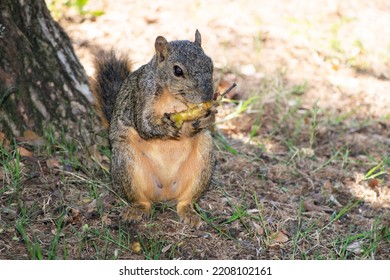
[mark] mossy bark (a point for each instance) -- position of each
(41, 79)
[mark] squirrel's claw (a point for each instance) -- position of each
(189, 216)
(172, 130)
(135, 213)
(206, 121)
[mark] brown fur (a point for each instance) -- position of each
(99, 108)
(111, 71)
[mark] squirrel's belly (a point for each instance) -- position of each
(166, 159)
(158, 165)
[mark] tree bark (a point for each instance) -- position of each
(41, 79)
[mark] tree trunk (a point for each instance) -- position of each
(41, 80)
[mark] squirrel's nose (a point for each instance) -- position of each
(207, 93)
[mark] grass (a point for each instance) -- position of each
(12, 169)
(373, 173)
(96, 240)
(90, 227)
(153, 247)
(57, 7)
(366, 243)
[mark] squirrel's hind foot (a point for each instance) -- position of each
(135, 212)
(189, 216)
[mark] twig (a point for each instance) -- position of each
(228, 90)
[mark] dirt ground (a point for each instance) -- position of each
(303, 143)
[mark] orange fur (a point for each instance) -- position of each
(168, 103)
(164, 169)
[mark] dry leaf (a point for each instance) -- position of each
(92, 206)
(87, 200)
(30, 135)
(166, 248)
(24, 152)
(250, 211)
(32, 138)
(280, 237)
(94, 152)
(73, 217)
(373, 183)
(1, 174)
(307, 152)
(335, 201)
(355, 247)
(54, 232)
(310, 206)
(106, 220)
(258, 228)
(4, 141)
(136, 247)
(150, 19)
(327, 188)
(52, 163)
(2, 137)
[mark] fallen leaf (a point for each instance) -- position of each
(307, 152)
(106, 220)
(250, 211)
(4, 141)
(355, 247)
(166, 248)
(30, 135)
(92, 206)
(94, 152)
(136, 247)
(258, 228)
(310, 206)
(327, 187)
(24, 152)
(335, 201)
(2, 137)
(87, 200)
(52, 163)
(150, 19)
(373, 183)
(74, 217)
(280, 237)
(54, 232)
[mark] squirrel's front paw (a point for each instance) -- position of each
(170, 126)
(204, 122)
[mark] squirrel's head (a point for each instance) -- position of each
(184, 69)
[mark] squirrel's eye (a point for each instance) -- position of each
(177, 71)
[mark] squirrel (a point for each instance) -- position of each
(153, 159)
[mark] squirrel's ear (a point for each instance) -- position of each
(161, 46)
(198, 38)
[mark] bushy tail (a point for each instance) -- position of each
(110, 71)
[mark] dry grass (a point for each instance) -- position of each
(302, 146)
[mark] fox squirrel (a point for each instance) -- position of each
(153, 159)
